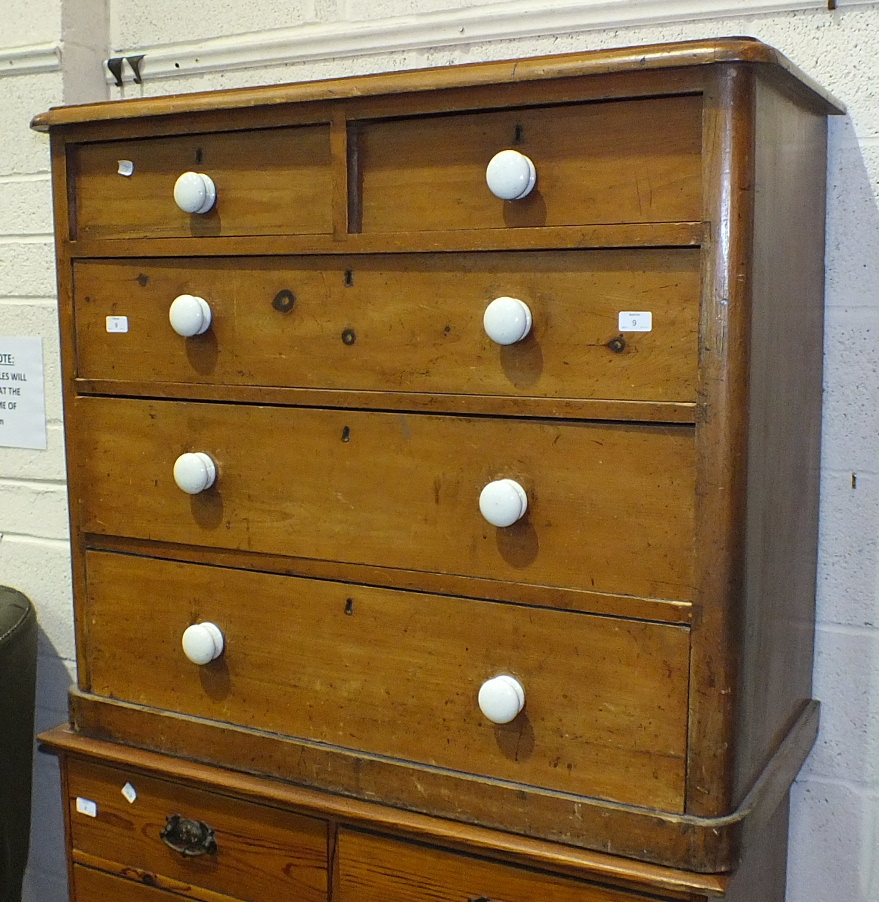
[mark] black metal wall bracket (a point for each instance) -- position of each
(115, 67)
(134, 62)
(116, 64)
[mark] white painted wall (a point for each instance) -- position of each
(34, 549)
(221, 43)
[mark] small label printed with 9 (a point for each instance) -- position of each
(117, 323)
(636, 321)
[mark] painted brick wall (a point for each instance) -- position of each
(835, 828)
(34, 547)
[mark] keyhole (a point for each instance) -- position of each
(199, 155)
(349, 606)
(284, 301)
(519, 135)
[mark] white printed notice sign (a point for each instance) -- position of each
(22, 393)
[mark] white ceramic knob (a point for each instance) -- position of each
(202, 642)
(501, 698)
(195, 192)
(190, 315)
(503, 502)
(507, 320)
(510, 175)
(194, 472)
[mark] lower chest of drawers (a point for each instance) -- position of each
(136, 836)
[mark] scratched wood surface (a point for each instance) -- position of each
(90, 885)
(398, 673)
(631, 161)
(263, 853)
(398, 491)
(271, 181)
(375, 867)
(713, 522)
(405, 323)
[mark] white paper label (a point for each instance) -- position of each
(22, 394)
(117, 323)
(126, 168)
(86, 807)
(636, 321)
(129, 792)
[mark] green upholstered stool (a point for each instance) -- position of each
(18, 668)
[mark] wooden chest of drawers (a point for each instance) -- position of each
(494, 516)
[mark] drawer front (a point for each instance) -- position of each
(373, 867)
(401, 323)
(398, 674)
(621, 162)
(271, 181)
(400, 491)
(90, 885)
(262, 854)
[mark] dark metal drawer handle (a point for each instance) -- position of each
(189, 838)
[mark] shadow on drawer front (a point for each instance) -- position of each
(398, 491)
(625, 161)
(401, 674)
(259, 854)
(268, 182)
(403, 323)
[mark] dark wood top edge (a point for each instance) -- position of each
(618, 60)
(370, 815)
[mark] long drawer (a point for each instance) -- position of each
(610, 508)
(614, 162)
(403, 323)
(268, 181)
(254, 852)
(399, 674)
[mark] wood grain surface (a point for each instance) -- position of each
(398, 673)
(401, 323)
(263, 853)
(274, 181)
(632, 161)
(399, 491)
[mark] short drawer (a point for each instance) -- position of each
(401, 323)
(373, 867)
(261, 854)
(271, 181)
(398, 674)
(90, 885)
(632, 161)
(610, 508)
